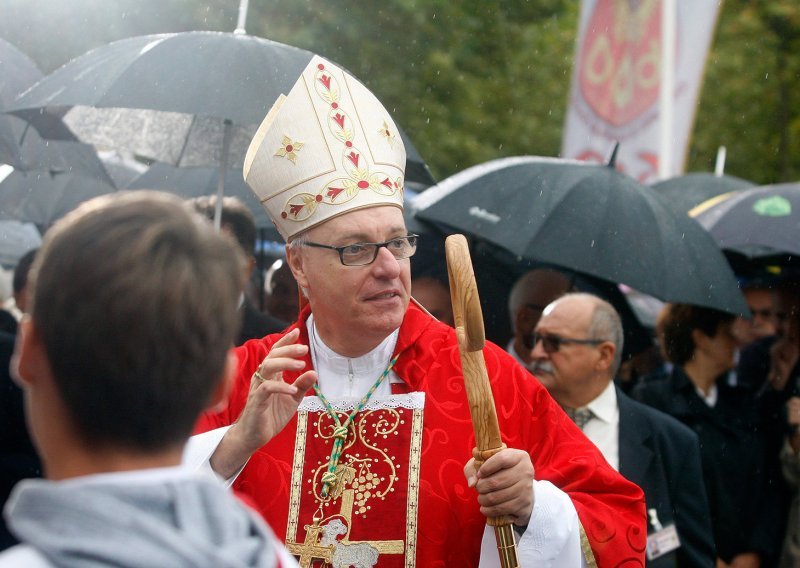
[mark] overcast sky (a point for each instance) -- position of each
(53, 31)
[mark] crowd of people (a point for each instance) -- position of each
(732, 381)
(337, 431)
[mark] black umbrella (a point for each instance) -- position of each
(20, 145)
(17, 73)
(16, 239)
(42, 197)
(682, 193)
(189, 99)
(587, 218)
(197, 181)
(761, 222)
(49, 176)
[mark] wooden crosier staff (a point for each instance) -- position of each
(471, 338)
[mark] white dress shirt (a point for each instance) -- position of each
(711, 398)
(603, 428)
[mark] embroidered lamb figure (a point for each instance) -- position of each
(358, 555)
(332, 530)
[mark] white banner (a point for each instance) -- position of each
(617, 76)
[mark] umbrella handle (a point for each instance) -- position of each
(223, 166)
(471, 339)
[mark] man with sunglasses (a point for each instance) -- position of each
(576, 354)
(370, 469)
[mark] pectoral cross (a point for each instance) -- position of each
(311, 550)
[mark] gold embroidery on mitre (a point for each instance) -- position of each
(386, 132)
(289, 149)
(300, 207)
(337, 120)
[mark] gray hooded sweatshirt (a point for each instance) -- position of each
(166, 521)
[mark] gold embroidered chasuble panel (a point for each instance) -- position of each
(370, 516)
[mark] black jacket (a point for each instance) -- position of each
(662, 456)
(731, 455)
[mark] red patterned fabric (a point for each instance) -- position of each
(610, 508)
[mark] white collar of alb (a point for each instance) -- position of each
(374, 362)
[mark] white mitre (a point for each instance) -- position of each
(327, 148)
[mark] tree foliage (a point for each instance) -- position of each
(749, 102)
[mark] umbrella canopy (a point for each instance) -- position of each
(188, 90)
(757, 223)
(121, 168)
(590, 219)
(17, 73)
(42, 197)
(15, 240)
(682, 193)
(197, 181)
(21, 146)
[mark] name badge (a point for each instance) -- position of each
(662, 541)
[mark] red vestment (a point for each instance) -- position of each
(448, 525)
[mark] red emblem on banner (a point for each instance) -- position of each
(619, 66)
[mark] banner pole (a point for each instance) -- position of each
(666, 167)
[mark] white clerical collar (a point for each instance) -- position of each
(346, 376)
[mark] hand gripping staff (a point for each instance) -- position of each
(471, 338)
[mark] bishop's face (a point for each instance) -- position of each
(355, 307)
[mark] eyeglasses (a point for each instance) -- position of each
(552, 343)
(361, 254)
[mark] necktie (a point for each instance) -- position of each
(580, 416)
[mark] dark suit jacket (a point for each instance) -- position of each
(256, 324)
(662, 456)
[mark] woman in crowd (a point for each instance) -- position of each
(700, 344)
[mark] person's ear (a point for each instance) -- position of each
(219, 396)
(699, 339)
(294, 258)
(29, 362)
(607, 351)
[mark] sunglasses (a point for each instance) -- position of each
(552, 343)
